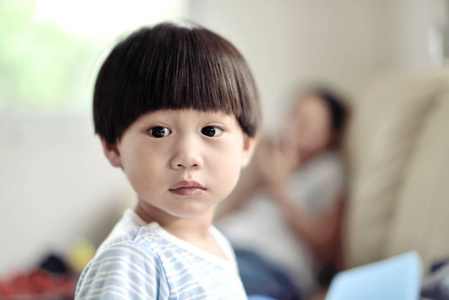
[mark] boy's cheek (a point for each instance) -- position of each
(144, 183)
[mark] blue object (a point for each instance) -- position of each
(397, 278)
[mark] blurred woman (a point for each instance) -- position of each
(284, 220)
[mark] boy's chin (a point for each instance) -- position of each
(189, 209)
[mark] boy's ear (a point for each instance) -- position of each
(111, 152)
(249, 145)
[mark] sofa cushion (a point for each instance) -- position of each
(388, 117)
(421, 217)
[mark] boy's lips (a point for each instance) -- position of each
(188, 188)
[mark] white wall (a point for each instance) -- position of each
(344, 43)
(340, 42)
(55, 187)
(55, 184)
(410, 25)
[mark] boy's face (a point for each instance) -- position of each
(181, 163)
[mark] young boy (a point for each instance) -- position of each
(177, 109)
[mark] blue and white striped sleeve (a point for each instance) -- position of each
(123, 271)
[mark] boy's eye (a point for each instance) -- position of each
(159, 132)
(211, 131)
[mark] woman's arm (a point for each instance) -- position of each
(321, 233)
(253, 178)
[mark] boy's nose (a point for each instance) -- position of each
(185, 166)
(186, 157)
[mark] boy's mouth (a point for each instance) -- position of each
(188, 188)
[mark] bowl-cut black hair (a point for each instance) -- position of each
(172, 66)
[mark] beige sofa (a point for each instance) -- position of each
(398, 149)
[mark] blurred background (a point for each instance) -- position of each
(56, 188)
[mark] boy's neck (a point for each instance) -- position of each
(183, 228)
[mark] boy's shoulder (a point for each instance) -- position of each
(126, 268)
(131, 255)
(131, 240)
(147, 238)
(126, 229)
(132, 231)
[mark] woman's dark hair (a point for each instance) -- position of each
(170, 66)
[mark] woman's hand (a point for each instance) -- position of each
(275, 163)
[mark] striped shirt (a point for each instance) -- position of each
(143, 261)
